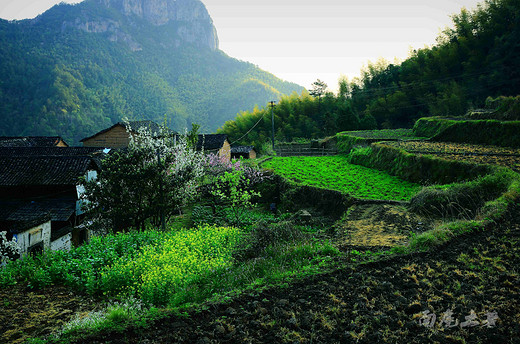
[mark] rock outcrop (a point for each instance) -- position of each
(190, 18)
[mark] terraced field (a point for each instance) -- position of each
(502, 156)
(383, 134)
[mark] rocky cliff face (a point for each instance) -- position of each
(190, 17)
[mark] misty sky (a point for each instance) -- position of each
(303, 40)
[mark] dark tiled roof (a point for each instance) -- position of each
(56, 234)
(23, 225)
(18, 216)
(242, 149)
(30, 141)
(48, 151)
(211, 141)
(59, 209)
(40, 171)
(135, 126)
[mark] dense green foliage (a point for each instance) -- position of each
(500, 108)
(59, 80)
(431, 126)
(80, 267)
(488, 132)
(336, 173)
(151, 265)
(477, 57)
(462, 200)
(296, 116)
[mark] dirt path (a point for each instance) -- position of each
(379, 226)
(27, 314)
(472, 286)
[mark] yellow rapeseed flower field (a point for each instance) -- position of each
(161, 270)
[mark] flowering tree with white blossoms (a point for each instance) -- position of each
(9, 249)
(148, 181)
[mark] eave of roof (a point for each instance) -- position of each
(31, 141)
(49, 151)
(242, 149)
(211, 141)
(103, 131)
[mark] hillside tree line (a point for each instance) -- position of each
(476, 58)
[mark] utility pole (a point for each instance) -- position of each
(272, 105)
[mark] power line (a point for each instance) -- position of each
(421, 84)
(472, 91)
(250, 130)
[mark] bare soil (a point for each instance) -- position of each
(27, 314)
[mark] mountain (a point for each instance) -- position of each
(76, 69)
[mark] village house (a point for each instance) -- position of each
(215, 144)
(40, 201)
(32, 141)
(32, 231)
(117, 136)
(246, 152)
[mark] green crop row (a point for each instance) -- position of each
(336, 173)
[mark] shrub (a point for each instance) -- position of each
(9, 249)
(264, 235)
(429, 239)
(148, 181)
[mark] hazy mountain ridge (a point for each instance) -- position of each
(191, 19)
(77, 68)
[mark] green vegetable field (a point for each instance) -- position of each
(336, 173)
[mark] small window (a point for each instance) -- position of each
(91, 175)
(35, 249)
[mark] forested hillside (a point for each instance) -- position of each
(477, 57)
(79, 68)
